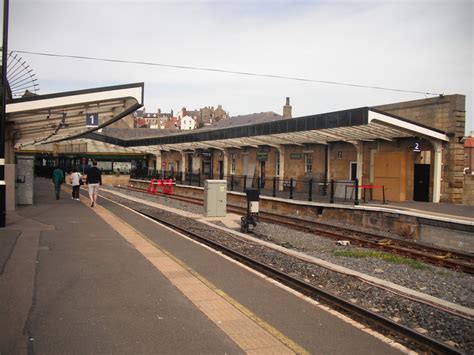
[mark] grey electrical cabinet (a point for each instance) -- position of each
(215, 198)
(24, 180)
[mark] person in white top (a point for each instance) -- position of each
(76, 179)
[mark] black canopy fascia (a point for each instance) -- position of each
(346, 118)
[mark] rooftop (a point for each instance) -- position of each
(253, 118)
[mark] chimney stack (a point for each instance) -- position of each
(287, 109)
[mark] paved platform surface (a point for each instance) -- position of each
(76, 279)
(466, 212)
(430, 209)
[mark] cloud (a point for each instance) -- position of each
(414, 45)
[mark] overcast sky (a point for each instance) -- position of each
(414, 45)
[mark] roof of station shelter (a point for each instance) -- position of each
(241, 120)
(360, 124)
(41, 119)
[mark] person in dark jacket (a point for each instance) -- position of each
(58, 179)
(94, 180)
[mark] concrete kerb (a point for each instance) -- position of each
(387, 285)
(373, 207)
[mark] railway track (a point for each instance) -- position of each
(369, 317)
(437, 256)
(350, 295)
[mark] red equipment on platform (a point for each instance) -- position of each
(168, 187)
(166, 184)
(151, 186)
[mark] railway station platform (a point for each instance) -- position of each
(444, 225)
(76, 279)
(451, 211)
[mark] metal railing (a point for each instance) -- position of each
(299, 189)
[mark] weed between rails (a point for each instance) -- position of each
(394, 259)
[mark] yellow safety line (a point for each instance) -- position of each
(114, 221)
(273, 331)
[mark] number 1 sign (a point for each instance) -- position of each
(92, 119)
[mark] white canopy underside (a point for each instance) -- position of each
(50, 118)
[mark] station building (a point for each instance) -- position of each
(413, 149)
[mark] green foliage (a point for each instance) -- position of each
(391, 258)
(287, 245)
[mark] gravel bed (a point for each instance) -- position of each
(446, 284)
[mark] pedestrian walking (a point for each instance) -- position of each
(76, 179)
(58, 179)
(94, 180)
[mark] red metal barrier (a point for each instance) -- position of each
(151, 186)
(168, 187)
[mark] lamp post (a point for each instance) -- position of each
(3, 113)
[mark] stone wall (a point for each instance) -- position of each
(468, 195)
(384, 221)
(447, 113)
(172, 158)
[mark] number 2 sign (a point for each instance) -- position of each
(417, 147)
(92, 119)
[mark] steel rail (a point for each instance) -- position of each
(435, 305)
(412, 251)
(317, 293)
(378, 238)
(439, 257)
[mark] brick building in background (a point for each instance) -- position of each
(469, 154)
(184, 119)
(208, 115)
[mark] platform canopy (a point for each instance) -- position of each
(41, 119)
(361, 124)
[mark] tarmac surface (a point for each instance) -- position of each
(76, 279)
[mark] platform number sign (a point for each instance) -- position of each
(92, 119)
(417, 146)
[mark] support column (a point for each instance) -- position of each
(437, 161)
(225, 161)
(3, 98)
(360, 161)
(360, 154)
(158, 162)
(328, 162)
(10, 171)
(183, 163)
(281, 150)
